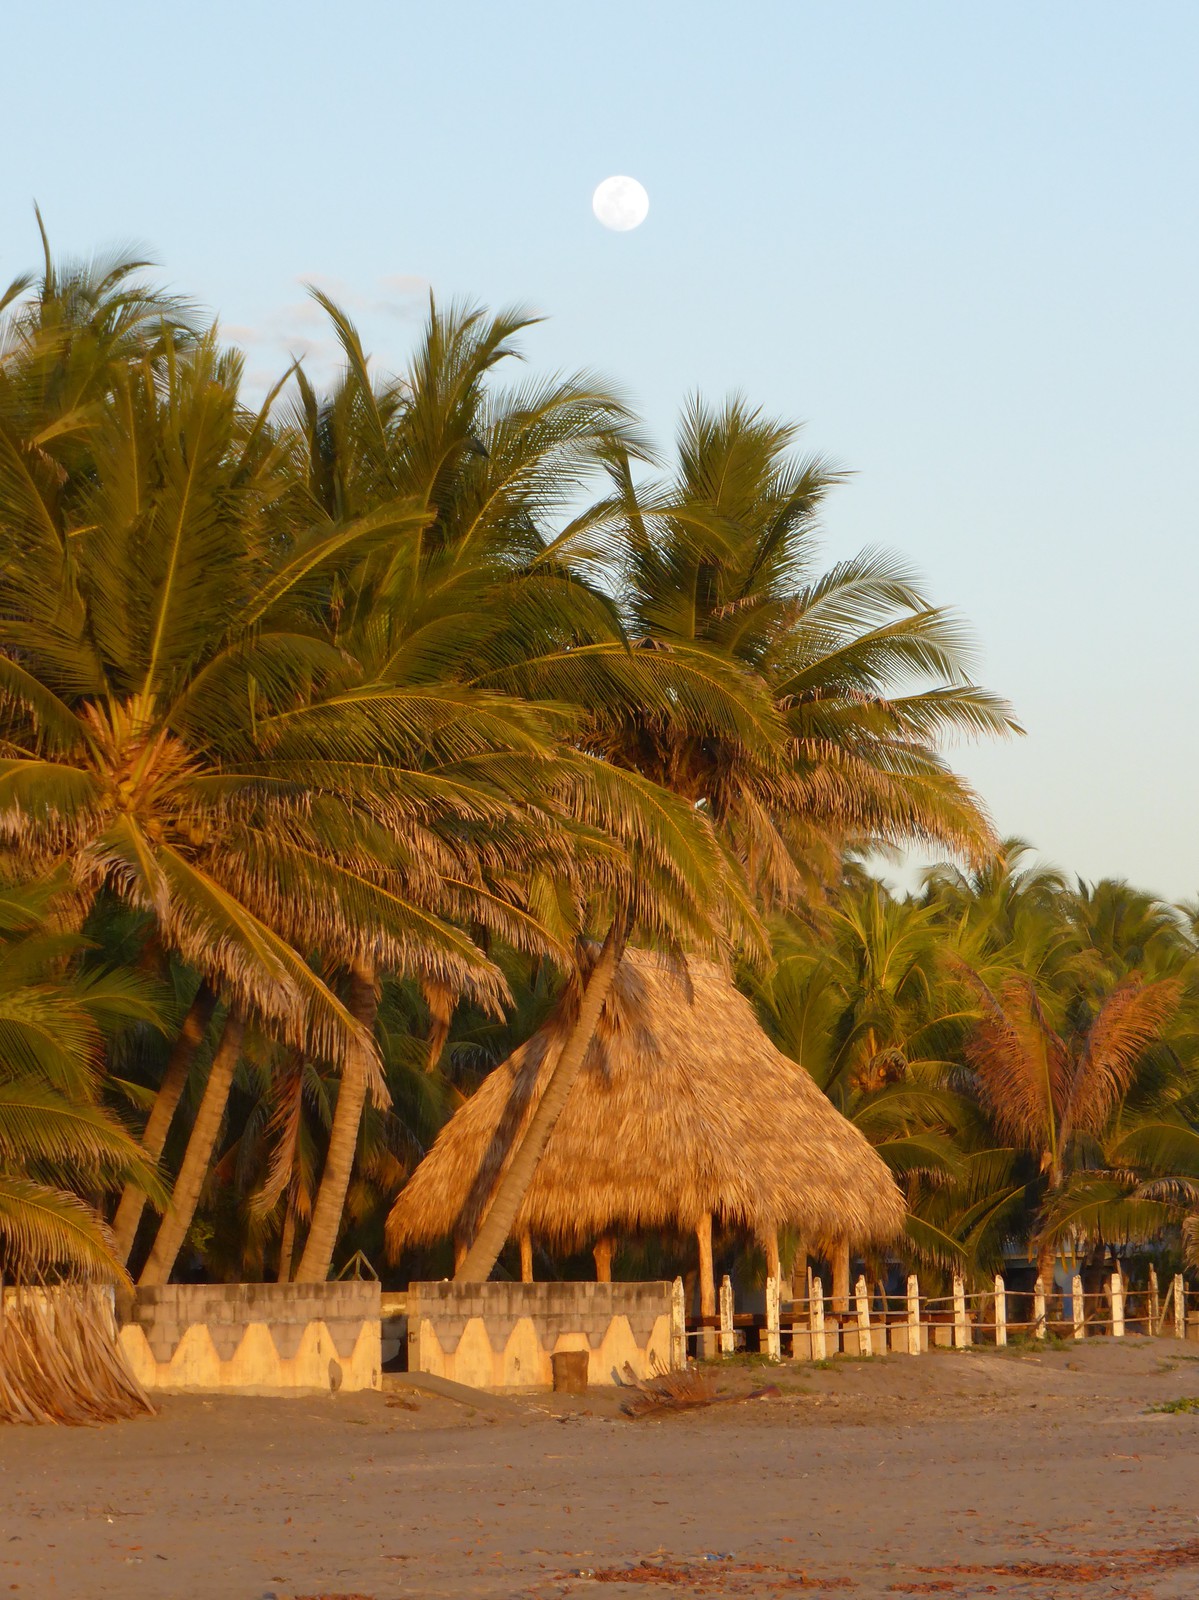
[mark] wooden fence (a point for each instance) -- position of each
(811, 1329)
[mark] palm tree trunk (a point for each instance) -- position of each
(162, 1112)
(484, 1252)
(287, 1244)
(362, 1003)
(186, 1195)
(440, 1001)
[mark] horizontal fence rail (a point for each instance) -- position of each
(871, 1322)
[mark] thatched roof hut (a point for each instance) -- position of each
(683, 1111)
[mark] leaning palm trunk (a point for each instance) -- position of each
(170, 1092)
(362, 1003)
(484, 1252)
(186, 1193)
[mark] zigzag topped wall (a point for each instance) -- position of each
(255, 1338)
(502, 1335)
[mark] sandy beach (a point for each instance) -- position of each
(964, 1474)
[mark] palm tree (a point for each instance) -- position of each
(60, 1151)
(1054, 1094)
(177, 729)
(715, 575)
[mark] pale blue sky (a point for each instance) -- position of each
(960, 240)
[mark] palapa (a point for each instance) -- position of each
(684, 1109)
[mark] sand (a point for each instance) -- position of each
(964, 1473)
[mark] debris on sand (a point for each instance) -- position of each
(681, 1391)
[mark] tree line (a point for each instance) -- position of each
(345, 733)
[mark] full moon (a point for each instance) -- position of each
(620, 203)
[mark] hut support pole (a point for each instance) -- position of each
(603, 1259)
(840, 1266)
(1079, 1307)
(799, 1271)
(526, 1258)
(1038, 1308)
(1155, 1300)
(1117, 1304)
(1000, 1312)
(707, 1286)
(773, 1269)
(1180, 1301)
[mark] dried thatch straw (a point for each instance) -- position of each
(60, 1360)
(683, 1108)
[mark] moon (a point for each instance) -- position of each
(620, 203)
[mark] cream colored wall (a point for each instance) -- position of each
(256, 1367)
(504, 1335)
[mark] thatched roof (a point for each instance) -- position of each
(683, 1106)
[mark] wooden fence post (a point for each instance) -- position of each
(678, 1327)
(774, 1345)
(1155, 1307)
(1078, 1306)
(726, 1316)
(1038, 1308)
(862, 1297)
(961, 1328)
(1180, 1307)
(913, 1315)
(1000, 1311)
(816, 1335)
(1117, 1304)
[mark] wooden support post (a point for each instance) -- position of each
(707, 1286)
(1078, 1306)
(774, 1344)
(862, 1297)
(603, 1259)
(799, 1272)
(727, 1337)
(961, 1328)
(914, 1335)
(773, 1267)
(840, 1265)
(1180, 1304)
(1040, 1327)
(816, 1334)
(1000, 1311)
(1117, 1304)
(1155, 1301)
(526, 1258)
(678, 1327)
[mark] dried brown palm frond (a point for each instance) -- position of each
(668, 1391)
(60, 1360)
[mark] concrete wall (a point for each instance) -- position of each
(255, 1338)
(502, 1335)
